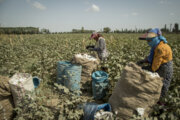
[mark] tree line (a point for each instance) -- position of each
(23, 30)
(172, 29)
(34, 30)
(19, 30)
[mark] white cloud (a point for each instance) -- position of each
(163, 1)
(171, 14)
(134, 14)
(39, 5)
(94, 8)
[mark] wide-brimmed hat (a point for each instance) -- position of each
(151, 34)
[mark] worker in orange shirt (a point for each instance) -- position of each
(160, 57)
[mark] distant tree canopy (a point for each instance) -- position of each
(176, 28)
(82, 30)
(19, 30)
(106, 30)
(45, 31)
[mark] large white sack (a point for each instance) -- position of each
(21, 84)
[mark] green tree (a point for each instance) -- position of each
(106, 30)
(176, 28)
(82, 30)
(45, 31)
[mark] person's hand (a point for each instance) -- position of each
(89, 47)
(140, 62)
(148, 68)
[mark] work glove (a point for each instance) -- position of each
(140, 62)
(89, 46)
(148, 68)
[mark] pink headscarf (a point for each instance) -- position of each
(93, 35)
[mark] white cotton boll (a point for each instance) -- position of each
(97, 115)
(103, 115)
(19, 78)
(86, 56)
(23, 80)
(153, 75)
(140, 111)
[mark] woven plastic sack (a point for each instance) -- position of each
(136, 88)
(69, 75)
(4, 87)
(6, 100)
(21, 84)
(88, 62)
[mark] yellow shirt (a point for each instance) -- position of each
(162, 54)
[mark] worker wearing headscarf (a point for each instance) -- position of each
(160, 57)
(100, 46)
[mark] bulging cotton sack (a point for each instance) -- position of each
(135, 89)
(88, 62)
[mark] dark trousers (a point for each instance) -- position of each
(166, 72)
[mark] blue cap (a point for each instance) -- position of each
(156, 30)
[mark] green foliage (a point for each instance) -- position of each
(38, 55)
(30, 109)
(70, 105)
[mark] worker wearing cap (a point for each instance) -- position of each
(160, 57)
(100, 46)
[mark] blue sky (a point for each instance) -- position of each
(64, 15)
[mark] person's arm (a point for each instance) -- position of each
(100, 47)
(157, 59)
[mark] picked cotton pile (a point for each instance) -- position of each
(19, 78)
(153, 75)
(86, 56)
(103, 115)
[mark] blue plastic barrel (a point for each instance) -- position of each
(99, 84)
(69, 75)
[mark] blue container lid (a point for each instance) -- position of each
(99, 76)
(64, 62)
(36, 82)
